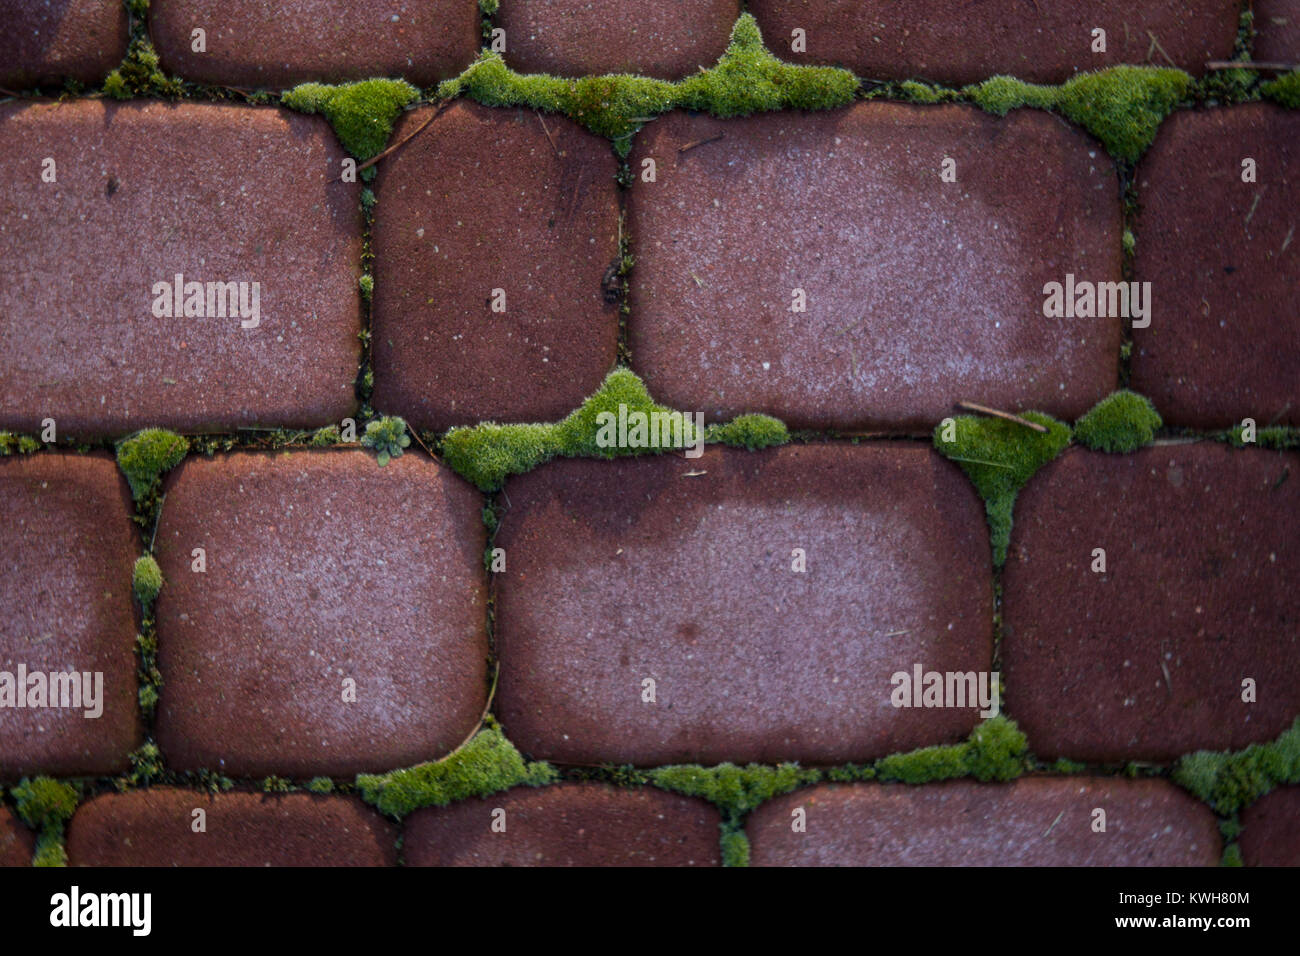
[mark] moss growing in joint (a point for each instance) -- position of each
(367, 285)
(1064, 766)
(1275, 437)
(361, 113)
(487, 764)
(146, 765)
(489, 7)
(734, 790)
(274, 784)
(749, 431)
(996, 750)
(146, 580)
(1284, 90)
(1000, 95)
(146, 455)
(1231, 780)
(735, 846)
(915, 92)
(19, 444)
(46, 805)
(999, 457)
(140, 75)
(320, 785)
(1122, 422)
(388, 437)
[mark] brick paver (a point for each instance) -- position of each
(48, 41)
(486, 200)
(1271, 836)
(1277, 23)
(1146, 661)
(158, 828)
(250, 43)
(956, 41)
(664, 38)
(566, 825)
(635, 570)
(17, 843)
(1224, 263)
(65, 528)
(321, 568)
(1035, 822)
(919, 293)
(246, 194)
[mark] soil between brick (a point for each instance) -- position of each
(156, 828)
(137, 202)
(50, 41)
(65, 526)
(251, 43)
(566, 825)
(1277, 23)
(1224, 263)
(321, 567)
(957, 42)
(1271, 836)
(17, 843)
(1030, 822)
(919, 293)
(619, 572)
(487, 199)
(1146, 661)
(668, 39)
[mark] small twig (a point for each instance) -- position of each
(1053, 826)
(981, 461)
(1156, 44)
(985, 410)
(699, 142)
(416, 436)
(405, 139)
(1251, 65)
(156, 521)
(547, 132)
(1253, 205)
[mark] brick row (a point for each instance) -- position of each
(17, 843)
(45, 43)
(1277, 24)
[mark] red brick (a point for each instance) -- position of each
(621, 571)
(567, 825)
(320, 567)
(664, 38)
(155, 828)
(65, 527)
(1031, 822)
(17, 843)
(1277, 23)
(1146, 661)
(1271, 829)
(493, 199)
(1222, 258)
(251, 43)
(957, 42)
(920, 293)
(45, 42)
(145, 191)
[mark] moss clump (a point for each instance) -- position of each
(20, 444)
(734, 790)
(138, 7)
(489, 7)
(388, 437)
(1065, 766)
(324, 437)
(747, 79)
(146, 455)
(1284, 90)
(924, 93)
(1230, 780)
(146, 579)
(735, 847)
(1122, 106)
(750, 431)
(487, 764)
(146, 765)
(46, 805)
(850, 773)
(362, 113)
(1276, 437)
(999, 457)
(1122, 422)
(996, 750)
(320, 785)
(274, 784)
(139, 74)
(367, 285)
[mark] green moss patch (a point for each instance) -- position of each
(140, 74)
(388, 437)
(1276, 437)
(749, 431)
(46, 805)
(1122, 422)
(1231, 780)
(11, 444)
(1122, 106)
(146, 580)
(487, 764)
(1284, 90)
(996, 750)
(999, 456)
(735, 847)
(146, 455)
(362, 113)
(733, 789)
(747, 79)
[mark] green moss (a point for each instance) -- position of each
(140, 75)
(489, 7)
(1122, 422)
(1129, 242)
(734, 790)
(274, 784)
(324, 437)
(735, 847)
(915, 92)
(42, 802)
(1124, 105)
(1000, 95)
(1276, 437)
(320, 785)
(146, 579)
(1284, 90)
(747, 79)
(144, 457)
(749, 431)
(487, 764)
(996, 750)
(999, 457)
(1231, 856)
(146, 764)
(1231, 780)
(17, 444)
(1065, 766)
(50, 850)
(138, 7)
(362, 113)
(850, 773)
(388, 437)
(367, 285)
